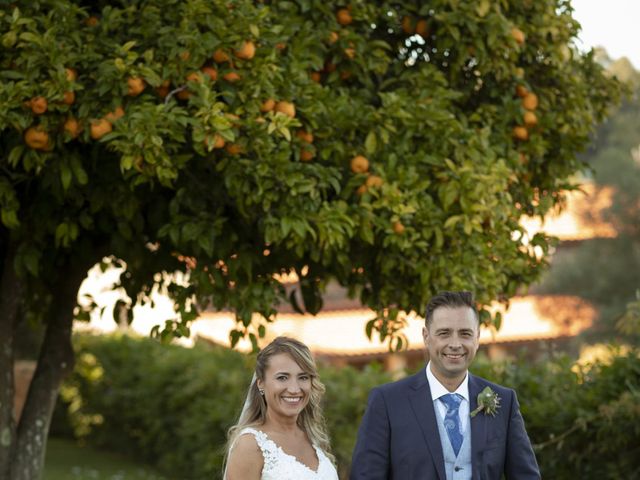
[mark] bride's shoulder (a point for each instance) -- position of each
(246, 442)
(252, 437)
(245, 457)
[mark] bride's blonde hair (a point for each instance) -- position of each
(311, 420)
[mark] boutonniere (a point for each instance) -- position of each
(488, 402)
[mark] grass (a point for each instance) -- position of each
(66, 460)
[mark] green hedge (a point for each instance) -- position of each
(171, 406)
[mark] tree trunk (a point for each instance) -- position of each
(54, 363)
(10, 295)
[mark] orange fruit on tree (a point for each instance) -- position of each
(72, 127)
(362, 189)
(316, 77)
(350, 52)
(521, 91)
(135, 86)
(210, 72)
(39, 105)
(92, 21)
(163, 89)
(233, 149)
(518, 35)
(408, 25)
(333, 37)
(184, 94)
(306, 155)
(216, 142)
(359, 164)
(422, 28)
(69, 98)
(398, 228)
(520, 133)
(343, 16)
(194, 77)
(268, 105)
(374, 181)
(71, 74)
(520, 72)
(100, 127)
(220, 56)
(37, 138)
(306, 137)
(530, 101)
(286, 108)
(247, 51)
(530, 119)
(115, 115)
(329, 67)
(281, 46)
(185, 55)
(231, 77)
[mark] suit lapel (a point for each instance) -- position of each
(479, 428)
(422, 405)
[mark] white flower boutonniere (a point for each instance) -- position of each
(488, 402)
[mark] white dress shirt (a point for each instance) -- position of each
(438, 390)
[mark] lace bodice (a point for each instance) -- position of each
(279, 465)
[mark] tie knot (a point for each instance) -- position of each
(451, 400)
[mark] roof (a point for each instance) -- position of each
(342, 332)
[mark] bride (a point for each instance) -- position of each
(281, 432)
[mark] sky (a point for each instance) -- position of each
(612, 24)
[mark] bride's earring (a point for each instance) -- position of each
(261, 391)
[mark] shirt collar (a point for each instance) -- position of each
(438, 390)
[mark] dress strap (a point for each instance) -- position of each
(267, 446)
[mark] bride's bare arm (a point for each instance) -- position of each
(245, 460)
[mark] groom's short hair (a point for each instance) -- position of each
(449, 300)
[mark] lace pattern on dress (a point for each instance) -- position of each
(279, 465)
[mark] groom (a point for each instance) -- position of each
(421, 427)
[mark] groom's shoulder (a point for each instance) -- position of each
(408, 382)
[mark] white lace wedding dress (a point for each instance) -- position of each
(279, 465)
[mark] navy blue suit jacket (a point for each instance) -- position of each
(398, 438)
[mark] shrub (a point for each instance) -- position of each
(172, 406)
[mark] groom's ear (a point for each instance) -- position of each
(425, 334)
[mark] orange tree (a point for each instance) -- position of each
(390, 146)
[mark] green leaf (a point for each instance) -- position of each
(65, 176)
(15, 155)
(9, 218)
(483, 7)
(370, 143)
(30, 37)
(128, 46)
(294, 302)
(451, 221)
(78, 171)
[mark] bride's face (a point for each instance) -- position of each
(286, 386)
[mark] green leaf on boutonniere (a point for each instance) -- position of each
(488, 402)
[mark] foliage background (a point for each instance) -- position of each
(171, 406)
(606, 271)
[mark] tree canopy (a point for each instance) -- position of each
(390, 146)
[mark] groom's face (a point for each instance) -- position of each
(452, 341)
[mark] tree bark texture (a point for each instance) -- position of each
(54, 363)
(10, 296)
